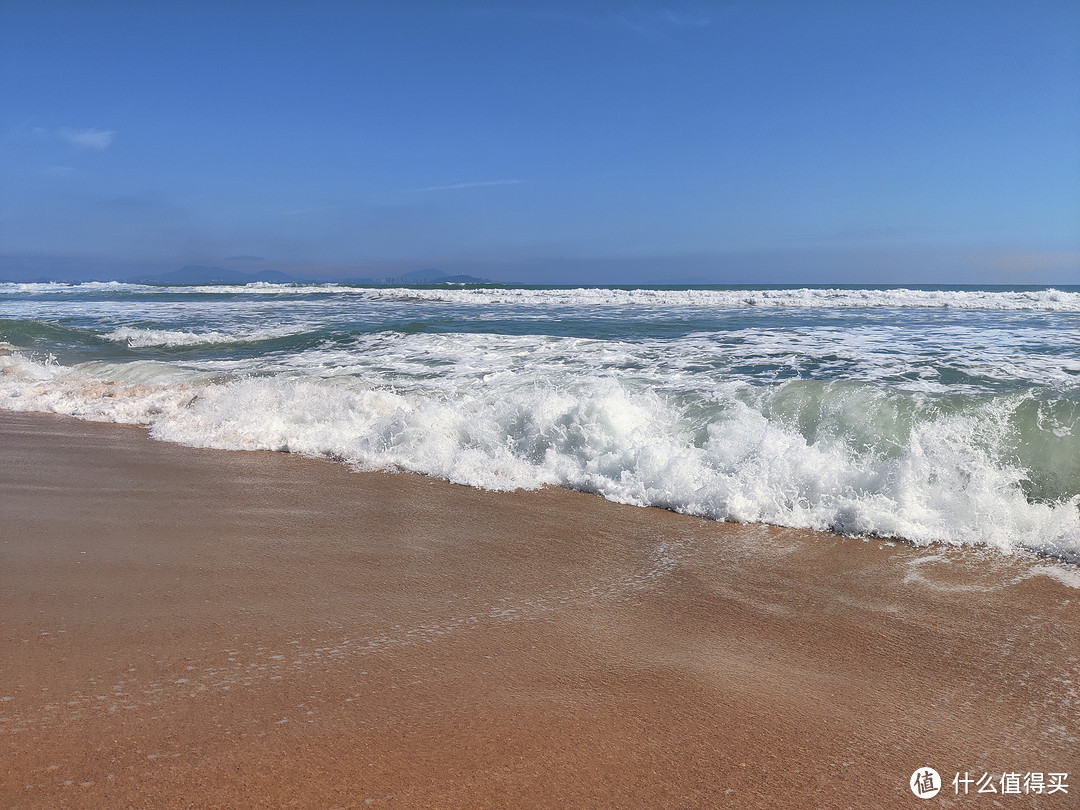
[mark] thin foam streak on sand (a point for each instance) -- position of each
(196, 628)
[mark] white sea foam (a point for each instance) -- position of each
(29, 386)
(945, 478)
(12, 287)
(1065, 575)
(137, 338)
(1046, 300)
(254, 288)
(701, 362)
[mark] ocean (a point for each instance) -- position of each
(927, 414)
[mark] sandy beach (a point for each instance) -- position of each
(196, 628)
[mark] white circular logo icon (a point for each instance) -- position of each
(925, 783)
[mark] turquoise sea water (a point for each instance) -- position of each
(929, 414)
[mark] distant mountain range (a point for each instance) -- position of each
(431, 277)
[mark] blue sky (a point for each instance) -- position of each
(564, 142)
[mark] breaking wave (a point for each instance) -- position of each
(138, 338)
(856, 458)
(1024, 300)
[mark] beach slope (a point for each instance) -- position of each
(197, 628)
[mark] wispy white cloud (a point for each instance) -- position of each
(91, 138)
(473, 184)
(660, 21)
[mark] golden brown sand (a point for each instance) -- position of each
(198, 628)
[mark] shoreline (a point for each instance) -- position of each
(194, 627)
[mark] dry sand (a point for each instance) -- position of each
(199, 628)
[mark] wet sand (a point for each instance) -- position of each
(199, 628)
